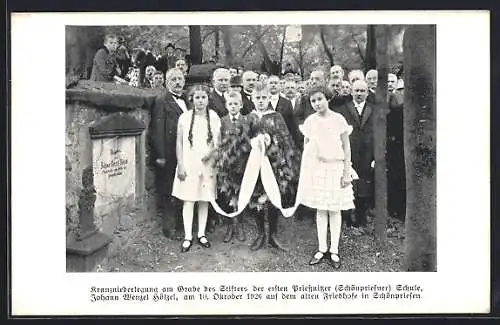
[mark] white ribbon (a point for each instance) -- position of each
(258, 163)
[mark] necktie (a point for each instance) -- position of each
(176, 96)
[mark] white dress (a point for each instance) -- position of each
(320, 179)
(200, 181)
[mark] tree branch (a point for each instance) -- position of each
(258, 37)
(282, 47)
(359, 49)
(180, 39)
(206, 35)
(325, 46)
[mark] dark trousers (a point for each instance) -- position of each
(170, 206)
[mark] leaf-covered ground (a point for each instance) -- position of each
(143, 248)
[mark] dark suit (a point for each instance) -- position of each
(362, 154)
(305, 109)
(396, 179)
(103, 66)
(284, 107)
(338, 101)
(235, 225)
(165, 115)
(217, 103)
(248, 105)
(372, 98)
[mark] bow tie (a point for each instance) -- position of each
(176, 96)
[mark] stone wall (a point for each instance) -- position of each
(89, 102)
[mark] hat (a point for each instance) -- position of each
(236, 81)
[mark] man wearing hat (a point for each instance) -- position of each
(235, 84)
(167, 60)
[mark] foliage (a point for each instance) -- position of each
(347, 44)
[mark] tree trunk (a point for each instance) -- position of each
(301, 60)
(217, 43)
(419, 46)
(81, 45)
(195, 44)
(282, 47)
(380, 130)
(228, 50)
(370, 59)
(267, 60)
(325, 46)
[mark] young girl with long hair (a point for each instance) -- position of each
(195, 182)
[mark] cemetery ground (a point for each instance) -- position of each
(139, 246)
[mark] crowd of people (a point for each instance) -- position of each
(318, 135)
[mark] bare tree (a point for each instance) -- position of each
(380, 130)
(196, 50)
(419, 50)
(228, 50)
(255, 42)
(282, 46)
(265, 55)
(328, 52)
(217, 42)
(370, 58)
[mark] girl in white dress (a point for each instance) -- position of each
(326, 172)
(197, 136)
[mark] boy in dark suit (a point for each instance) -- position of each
(104, 66)
(233, 125)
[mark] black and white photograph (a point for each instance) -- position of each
(287, 162)
(161, 122)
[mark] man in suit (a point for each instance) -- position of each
(216, 102)
(249, 78)
(392, 81)
(359, 114)
(283, 106)
(372, 81)
(290, 93)
(220, 82)
(167, 60)
(305, 109)
(182, 65)
(336, 72)
(355, 75)
(396, 178)
(167, 108)
(104, 65)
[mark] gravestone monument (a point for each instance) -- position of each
(116, 167)
(111, 188)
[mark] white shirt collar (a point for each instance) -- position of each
(360, 106)
(218, 92)
(232, 117)
(180, 102)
